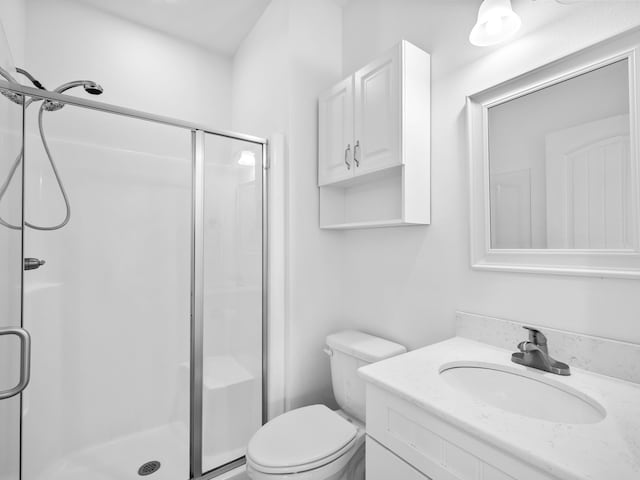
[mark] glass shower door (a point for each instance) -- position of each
(146, 307)
(11, 349)
(232, 295)
(109, 311)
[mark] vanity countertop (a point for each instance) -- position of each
(606, 450)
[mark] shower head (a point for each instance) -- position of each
(93, 88)
(89, 86)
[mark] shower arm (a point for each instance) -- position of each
(18, 98)
(31, 78)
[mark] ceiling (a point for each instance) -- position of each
(218, 25)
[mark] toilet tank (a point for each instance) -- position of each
(349, 350)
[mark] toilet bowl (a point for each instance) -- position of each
(315, 442)
(308, 443)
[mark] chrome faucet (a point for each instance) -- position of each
(535, 354)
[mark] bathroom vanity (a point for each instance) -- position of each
(461, 410)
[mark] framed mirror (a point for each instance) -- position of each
(555, 176)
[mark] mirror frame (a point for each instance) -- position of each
(622, 263)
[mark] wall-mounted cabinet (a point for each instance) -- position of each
(374, 144)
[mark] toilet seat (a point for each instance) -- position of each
(300, 440)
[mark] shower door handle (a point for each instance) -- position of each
(25, 360)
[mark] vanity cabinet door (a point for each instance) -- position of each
(377, 114)
(335, 147)
(384, 465)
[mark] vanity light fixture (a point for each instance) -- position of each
(496, 23)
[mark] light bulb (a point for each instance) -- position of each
(494, 25)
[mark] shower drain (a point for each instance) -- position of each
(149, 468)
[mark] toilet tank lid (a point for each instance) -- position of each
(364, 346)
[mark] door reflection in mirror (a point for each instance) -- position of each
(559, 165)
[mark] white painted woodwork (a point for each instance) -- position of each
(384, 465)
(588, 191)
(377, 113)
(433, 447)
(598, 262)
(374, 144)
(511, 209)
(278, 268)
(369, 201)
(335, 147)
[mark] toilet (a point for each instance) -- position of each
(315, 442)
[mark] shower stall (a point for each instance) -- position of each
(132, 335)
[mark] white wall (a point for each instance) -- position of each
(138, 67)
(14, 20)
(259, 105)
(406, 283)
(316, 283)
(292, 54)
(260, 75)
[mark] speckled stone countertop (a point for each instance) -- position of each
(606, 450)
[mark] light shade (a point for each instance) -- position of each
(247, 158)
(496, 22)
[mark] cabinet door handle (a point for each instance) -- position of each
(346, 156)
(356, 147)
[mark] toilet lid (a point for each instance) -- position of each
(305, 437)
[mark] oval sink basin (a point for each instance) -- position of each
(522, 393)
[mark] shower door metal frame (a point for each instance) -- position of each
(198, 132)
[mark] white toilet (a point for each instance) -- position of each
(316, 443)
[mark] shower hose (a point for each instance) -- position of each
(16, 164)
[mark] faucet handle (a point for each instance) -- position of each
(527, 347)
(536, 336)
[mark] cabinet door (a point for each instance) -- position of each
(377, 114)
(381, 464)
(335, 149)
